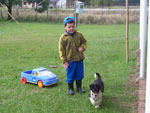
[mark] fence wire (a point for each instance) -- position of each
(90, 16)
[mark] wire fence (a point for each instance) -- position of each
(90, 16)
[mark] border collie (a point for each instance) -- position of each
(96, 91)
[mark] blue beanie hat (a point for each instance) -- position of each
(68, 19)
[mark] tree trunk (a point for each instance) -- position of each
(2, 14)
(47, 14)
(9, 10)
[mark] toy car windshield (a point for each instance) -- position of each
(45, 73)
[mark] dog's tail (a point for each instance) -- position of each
(97, 74)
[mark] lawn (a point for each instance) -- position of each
(106, 54)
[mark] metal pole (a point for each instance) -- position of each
(147, 101)
(76, 15)
(127, 33)
(143, 21)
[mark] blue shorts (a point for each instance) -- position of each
(75, 71)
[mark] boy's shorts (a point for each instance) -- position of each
(75, 71)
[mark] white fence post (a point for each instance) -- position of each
(147, 101)
(143, 21)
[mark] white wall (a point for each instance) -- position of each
(61, 4)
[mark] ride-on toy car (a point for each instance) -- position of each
(40, 76)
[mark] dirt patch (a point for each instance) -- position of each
(133, 91)
(133, 85)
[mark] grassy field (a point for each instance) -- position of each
(38, 47)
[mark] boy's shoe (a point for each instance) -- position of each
(71, 92)
(79, 84)
(80, 90)
(71, 89)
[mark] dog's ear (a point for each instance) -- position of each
(91, 86)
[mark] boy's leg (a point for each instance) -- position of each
(79, 86)
(79, 76)
(70, 76)
(71, 89)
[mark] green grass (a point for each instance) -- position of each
(106, 54)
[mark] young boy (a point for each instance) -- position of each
(72, 44)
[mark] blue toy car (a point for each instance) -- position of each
(40, 76)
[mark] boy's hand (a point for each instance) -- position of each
(65, 65)
(80, 49)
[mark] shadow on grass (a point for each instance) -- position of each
(50, 86)
(115, 103)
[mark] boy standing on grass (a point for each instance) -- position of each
(72, 44)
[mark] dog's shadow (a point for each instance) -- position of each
(112, 102)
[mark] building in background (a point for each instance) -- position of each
(26, 4)
(88, 3)
(58, 3)
(52, 4)
(61, 3)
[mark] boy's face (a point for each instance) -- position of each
(70, 27)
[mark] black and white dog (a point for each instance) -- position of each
(96, 91)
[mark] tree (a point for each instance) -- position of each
(108, 2)
(92, 2)
(54, 2)
(9, 4)
(100, 2)
(42, 3)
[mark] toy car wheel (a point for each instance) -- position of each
(23, 80)
(40, 84)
